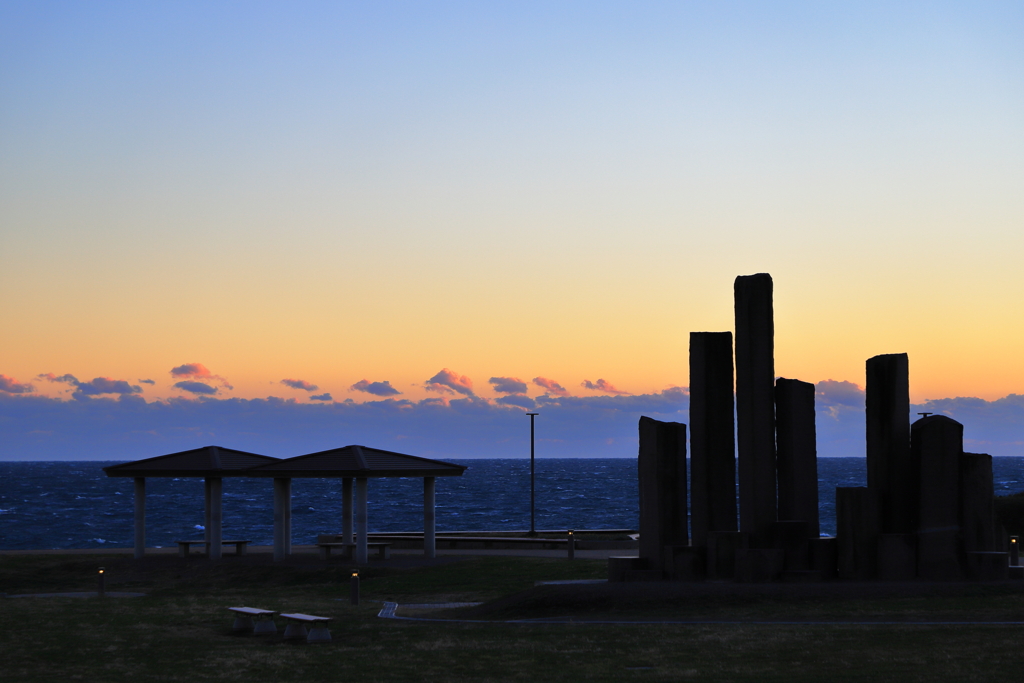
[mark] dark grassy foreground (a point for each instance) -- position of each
(181, 631)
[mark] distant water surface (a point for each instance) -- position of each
(75, 505)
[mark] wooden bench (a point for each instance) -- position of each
(296, 628)
(183, 546)
(383, 549)
(244, 620)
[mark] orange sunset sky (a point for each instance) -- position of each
(336, 192)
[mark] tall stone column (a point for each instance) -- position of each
(892, 473)
(936, 443)
(755, 406)
(662, 474)
(977, 504)
(797, 453)
(140, 517)
(712, 436)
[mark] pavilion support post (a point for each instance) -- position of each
(346, 510)
(361, 525)
(281, 503)
(429, 546)
(140, 517)
(215, 491)
(288, 516)
(206, 509)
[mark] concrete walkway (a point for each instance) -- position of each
(305, 550)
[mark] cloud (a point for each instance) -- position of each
(146, 381)
(10, 385)
(518, 400)
(602, 385)
(551, 386)
(448, 382)
(321, 397)
(50, 377)
(105, 385)
(299, 384)
(97, 386)
(197, 371)
(830, 392)
(196, 388)
(42, 428)
(508, 385)
(376, 388)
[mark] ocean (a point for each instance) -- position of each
(75, 505)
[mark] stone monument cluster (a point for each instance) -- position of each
(927, 511)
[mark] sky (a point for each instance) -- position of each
(290, 226)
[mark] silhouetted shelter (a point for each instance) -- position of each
(213, 463)
(359, 463)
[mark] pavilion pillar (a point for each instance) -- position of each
(346, 510)
(288, 516)
(282, 517)
(429, 546)
(140, 517)
(362, 556)
(214, 533)
(206, 509)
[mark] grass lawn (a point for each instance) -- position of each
(181, 630)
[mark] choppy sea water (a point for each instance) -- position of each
(75, 505)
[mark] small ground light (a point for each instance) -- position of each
(1014, 551)
(572, 545)
(355, 587)
(102, 588)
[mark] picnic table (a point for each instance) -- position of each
(183, 546)
(383, 549)
(244, 616)
(318, 633)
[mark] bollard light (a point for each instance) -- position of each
(572, 546)
(102, 588)
(355, 587)
(1014, 551)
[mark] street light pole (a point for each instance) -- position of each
(533, 528)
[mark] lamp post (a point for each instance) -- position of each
(533, 528)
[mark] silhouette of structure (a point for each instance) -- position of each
(926, 513)
(351, 464)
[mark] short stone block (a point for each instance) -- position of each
(857, 533)
(988, 566)
(759, 565)
(1015, 572)
(938, 555)
(618, 566)
(897, 557)
(685, 563)
(823, 554)
(721, 553)
(793, 537)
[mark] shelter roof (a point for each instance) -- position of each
(357, 461)
(198, 462)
